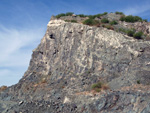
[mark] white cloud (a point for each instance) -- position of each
(15, 51)
(137, 9)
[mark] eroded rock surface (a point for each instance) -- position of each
(69, 60)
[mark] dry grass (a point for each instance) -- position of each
(2, 88)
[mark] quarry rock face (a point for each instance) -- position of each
(68, 64)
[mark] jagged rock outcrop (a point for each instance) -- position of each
(69, 60)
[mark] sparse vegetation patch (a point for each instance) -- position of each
(138, 81)
(113, 22)
(73, 21)
(100, 20)
(131, 18)
(99, 86)
(64, 14)
(138, 35)
(120, 13)
(130, 32)
(105, 20)
(90, 22)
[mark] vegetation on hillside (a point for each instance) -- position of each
(73, 21)
(64, 14)
(81, 15)
(132, 33)
(104, 20)
(99, 86)
(101, 20)
(138, 35)
(132, 19)
(113, 22)
(120, 13)
(90, 22)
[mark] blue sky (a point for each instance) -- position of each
(23, 24)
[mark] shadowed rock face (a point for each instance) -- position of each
(69, 60)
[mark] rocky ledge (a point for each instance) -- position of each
(83, 69)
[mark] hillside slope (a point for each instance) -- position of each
(83, 69)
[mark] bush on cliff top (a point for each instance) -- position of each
(131, 18)
(60, 15)
(120, 13)
(90, 22)
(69, 13)
(64, 14)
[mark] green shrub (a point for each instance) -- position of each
(122, 18)
(130, 32)
(97, 15)
(97, 85)
(137, 18)
(105, 20)
(60, 15)
(90, 22)
(92, 16)
(145, 20)
(120, 13)
(67, 20)
(69, 13)
(63, 14)
(131, 18)
(105, 13)
(138, 82)
(113, 22)
(138, 35)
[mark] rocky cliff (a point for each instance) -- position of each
(83, 69)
